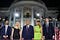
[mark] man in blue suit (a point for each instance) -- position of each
(28, 31)
(6, 31)
(48, 30)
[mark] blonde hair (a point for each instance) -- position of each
(19, 27)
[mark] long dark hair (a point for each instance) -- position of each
(39, 24)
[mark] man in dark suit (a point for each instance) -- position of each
(48, 30)
(6, 31)
(28, 31)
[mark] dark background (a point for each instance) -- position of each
(49, 3)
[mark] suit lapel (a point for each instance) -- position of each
(4, 30)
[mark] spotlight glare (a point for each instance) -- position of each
(0, 18)
(16, 15)
(38, 14)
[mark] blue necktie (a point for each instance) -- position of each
(27, 28)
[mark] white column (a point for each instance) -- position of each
(14, 16)
(32, 20)
(11, 15)
(22, 18)
(10, 19)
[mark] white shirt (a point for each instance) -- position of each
(28, 26)
(47, 24)
(6, 27)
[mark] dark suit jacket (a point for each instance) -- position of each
(50, 32)
(8, 31)
(28, 34)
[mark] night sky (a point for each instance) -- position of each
(49, 3)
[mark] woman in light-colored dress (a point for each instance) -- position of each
(38, 31)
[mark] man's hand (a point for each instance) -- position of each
(5, 36)
(32, 38)
(43, 37)
(53, 37)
